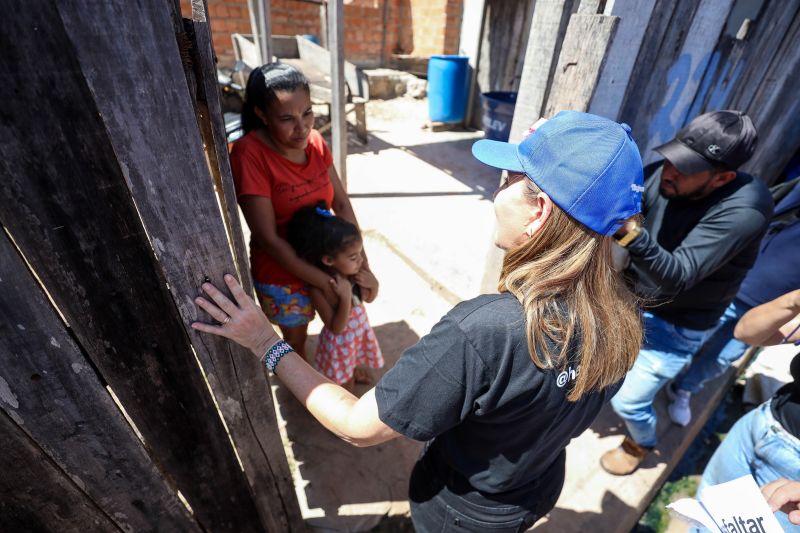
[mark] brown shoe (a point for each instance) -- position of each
(624, 459)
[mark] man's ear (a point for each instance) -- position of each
(722, 178)
(542, 209)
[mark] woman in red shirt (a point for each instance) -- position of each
(279, 166)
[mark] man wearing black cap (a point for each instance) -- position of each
(703, 221)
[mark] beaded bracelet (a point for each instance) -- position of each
(275, 353)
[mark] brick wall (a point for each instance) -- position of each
(374, 29)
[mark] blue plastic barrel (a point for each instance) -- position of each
(448, 88)
(309, 37)
(498, 112)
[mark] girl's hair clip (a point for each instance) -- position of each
(324, 212)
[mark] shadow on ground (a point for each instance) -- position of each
(348, 488)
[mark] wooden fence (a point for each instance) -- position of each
(653, 64)
(116, 202)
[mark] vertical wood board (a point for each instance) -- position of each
(338, 98)
(657, 72)
(547, 30)
(51, 392)
(212, 130)
(694, 57)
(582, 56)
(66, 203)
(173, 191)
(40, 497)
(775, 109)
(634, 18)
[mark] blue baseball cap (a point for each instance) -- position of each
(588, 165)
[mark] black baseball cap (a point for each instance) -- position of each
(717, 139)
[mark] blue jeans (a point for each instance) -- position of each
(717, 353)
(757, 445)
(666, 351)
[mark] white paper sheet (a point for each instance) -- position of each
(733, 507)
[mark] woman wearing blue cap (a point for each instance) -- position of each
(503, 382)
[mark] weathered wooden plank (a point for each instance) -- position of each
(65, 200)
(657, 70)
(766, 34)
(469, 45)
(775, 108)
(212, 131)
(616, 74)
(175, 199)
(51, 391)
(36, 496)
(264, 21)
(582, 56)
(548, 27)
(693, 59)
(338, 98)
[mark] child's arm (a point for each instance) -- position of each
(260, 216)
(334, 315)
(368, 283)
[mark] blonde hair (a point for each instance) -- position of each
(571, 295)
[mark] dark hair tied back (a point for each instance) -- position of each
(314, 233)
(262, 85)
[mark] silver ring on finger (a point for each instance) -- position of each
(227, 319)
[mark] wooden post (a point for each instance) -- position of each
(548, 26)
(338, 98)
(581, 60)
(472, 24)
(264, 41)
(252, 11)
(323, 24)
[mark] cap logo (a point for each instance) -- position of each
(713, 149)
(637, 188)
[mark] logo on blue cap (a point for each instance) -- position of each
(588, 165)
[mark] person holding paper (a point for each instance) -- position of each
(784, 495)
(766, 442)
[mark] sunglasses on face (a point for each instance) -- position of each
(511, 178)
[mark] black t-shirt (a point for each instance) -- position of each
(786, 402)
(498, 422)
(692, 255)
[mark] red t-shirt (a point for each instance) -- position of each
(258, 170)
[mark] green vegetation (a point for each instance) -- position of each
(657, 516)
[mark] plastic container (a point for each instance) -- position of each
(498, 112)
(448, 88)
(313, 38)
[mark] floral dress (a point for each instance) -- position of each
(338, 355)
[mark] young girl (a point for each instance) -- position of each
(281, 165)
(335, 246)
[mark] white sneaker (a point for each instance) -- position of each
(679, 409)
